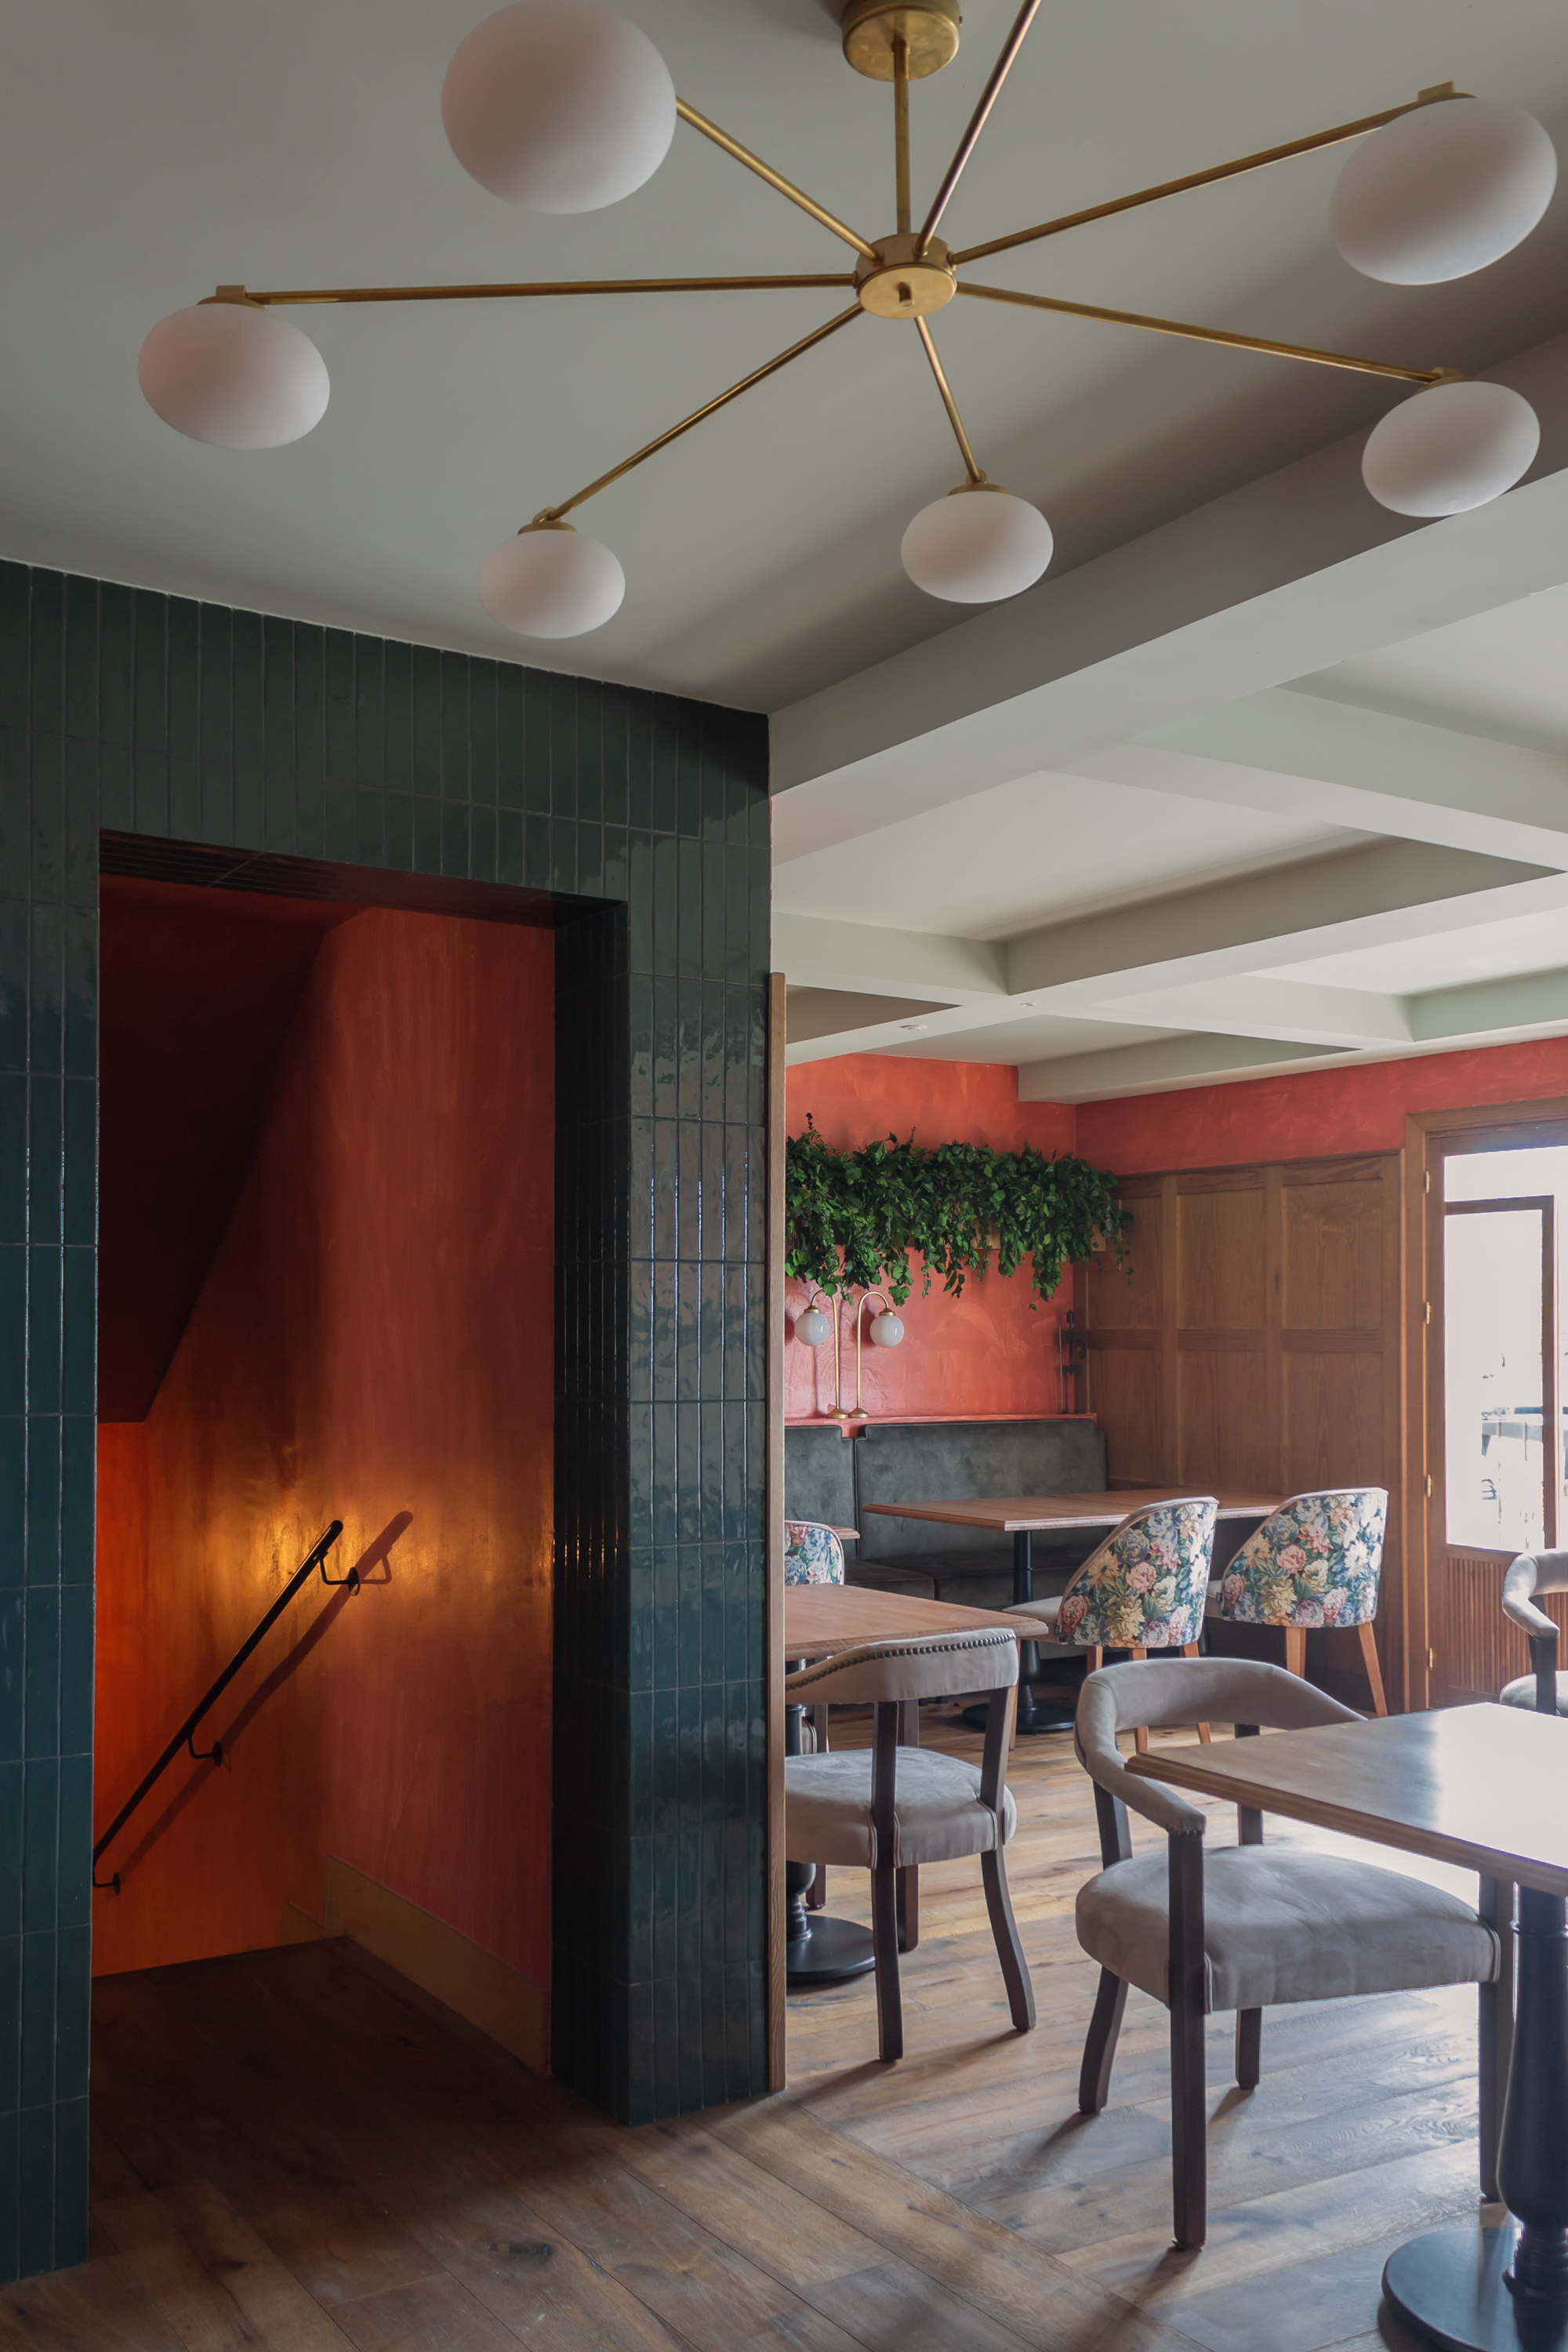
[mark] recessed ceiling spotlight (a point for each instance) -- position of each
(912, 1025)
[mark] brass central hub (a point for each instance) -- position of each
(897, 285)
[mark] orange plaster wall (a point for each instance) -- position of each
(372, 1343)
(1362, 1108)
(984, 1353)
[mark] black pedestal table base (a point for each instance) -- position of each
(1507, 2290)
(831, 1951)
(1044, 1705)
(1451, 2286)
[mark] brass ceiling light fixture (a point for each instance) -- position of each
(562, 106)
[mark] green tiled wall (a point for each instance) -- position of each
(645, 817)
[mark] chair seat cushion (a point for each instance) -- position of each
(827, 1809)
(1282, 1926)
(1522, 1693)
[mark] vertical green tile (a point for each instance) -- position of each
(210, 817)
(14, 958)
(16, 629)
(277, 695)
(40, 1875)
(150, 686)
(15, 806)
(248, 752)
(183, 776)
(339, 714)
(370, 714)
(43, 1497)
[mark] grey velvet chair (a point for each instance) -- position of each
(1253, 1924)
(1542, 1689)
(890, 1808)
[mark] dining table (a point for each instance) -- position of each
(1481, 1787)
(819, 1620)
(1024, 1516)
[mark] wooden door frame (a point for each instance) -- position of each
(1429, 1136)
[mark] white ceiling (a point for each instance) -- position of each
(148, 153)
(1260, 776)
(1502, 673)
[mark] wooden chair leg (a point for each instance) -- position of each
(1249, 2048)
(908, 1906)
(1296, 1650)
(1374, 1671)
(1189, 2118)
(1009, 1950)
(1191, 1651)
(1141, 1734)
(1100, 2050)
(884, 1945)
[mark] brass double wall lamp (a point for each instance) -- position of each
(562, 106)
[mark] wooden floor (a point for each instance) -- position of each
(293, 2154)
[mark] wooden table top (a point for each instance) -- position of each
(1480, 1785)
(1033, 1514)
(822, 1618)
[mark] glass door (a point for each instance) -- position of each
(1502, 1436)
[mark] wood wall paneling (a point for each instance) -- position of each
(1258, 1341)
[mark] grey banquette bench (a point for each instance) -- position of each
(832, 1478)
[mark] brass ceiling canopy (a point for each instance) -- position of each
(927, 28)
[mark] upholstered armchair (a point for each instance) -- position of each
(813, 1554)
(1143, 1589)
(890, 1808)
(1542, 1689)
(1245, 1925)
(1314, 1562)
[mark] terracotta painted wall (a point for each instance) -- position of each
(373, 1343)
(986, 1351)
(1361, 1108)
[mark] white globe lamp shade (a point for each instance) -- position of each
(976, 546)
(1442, 191)
(233, 375)
(560, 105)
(888, 1330)
(550, 582)
(813, 1327)
(1457, 446)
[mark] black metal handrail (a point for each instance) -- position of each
(183, 1737)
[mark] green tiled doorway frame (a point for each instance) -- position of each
(645, 818)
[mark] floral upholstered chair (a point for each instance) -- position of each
(1313, 1562)
(1143, 1589)
(813, 1553)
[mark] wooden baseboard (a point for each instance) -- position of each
(298, 1927)
(489, 1993)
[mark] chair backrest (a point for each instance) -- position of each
(923, 1666)
(1533, 1572)
(1145, 1586)
(1314, 1561)
(813, 1554)
(1151, 1691)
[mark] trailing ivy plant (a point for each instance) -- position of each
(855, 1218)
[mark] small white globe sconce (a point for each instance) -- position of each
(887, 1331)
(812, 1327)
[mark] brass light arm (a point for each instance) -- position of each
(1211, 335)
(1257, 163)
(504, 293)
(977, 120)
(902, 130)
(774, 179)
(708, 408)
(974, 470)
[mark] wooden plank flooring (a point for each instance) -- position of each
(295, 2153)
